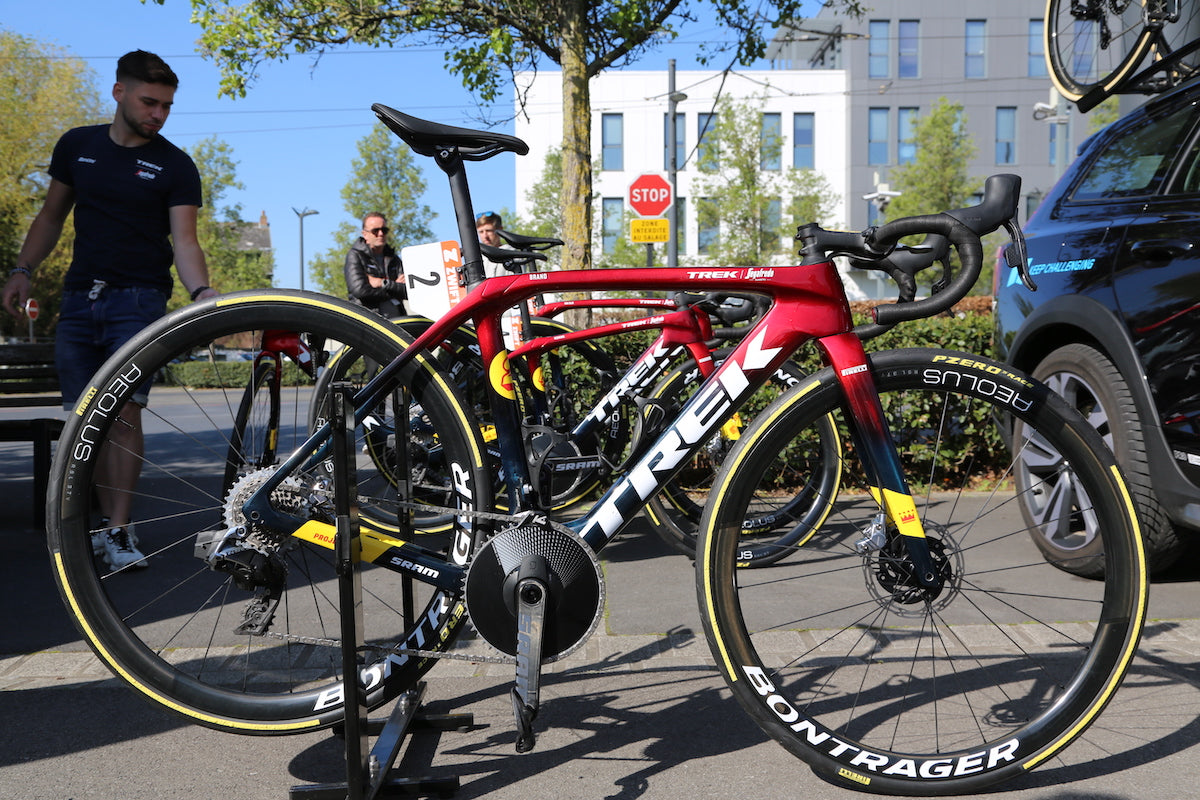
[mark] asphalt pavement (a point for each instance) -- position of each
(638, 712)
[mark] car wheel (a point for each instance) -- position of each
(1093, 386)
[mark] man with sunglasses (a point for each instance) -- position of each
(374, 274)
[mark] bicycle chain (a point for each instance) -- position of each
(318, 641)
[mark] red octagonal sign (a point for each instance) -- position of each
(649, 195)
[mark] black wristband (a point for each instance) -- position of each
(21, 270)
(196, 292)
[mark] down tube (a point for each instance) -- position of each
(742, 374)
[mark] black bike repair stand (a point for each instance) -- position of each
(367, 768)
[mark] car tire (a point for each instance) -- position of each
(1092, 385)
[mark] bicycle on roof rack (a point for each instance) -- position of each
(1095, 48)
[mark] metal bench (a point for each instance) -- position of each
(29, 379)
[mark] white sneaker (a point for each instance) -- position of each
(120, 550)
(98, 537)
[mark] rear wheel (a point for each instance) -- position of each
(1094, 43)
(877, 682)
(236, 624)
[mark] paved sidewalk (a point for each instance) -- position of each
(638, 712)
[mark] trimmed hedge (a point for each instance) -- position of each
(222, 374)
(966, 330)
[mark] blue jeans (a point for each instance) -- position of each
(90, 330)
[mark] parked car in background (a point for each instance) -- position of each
(1114, 325)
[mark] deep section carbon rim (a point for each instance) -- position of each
(879, 683)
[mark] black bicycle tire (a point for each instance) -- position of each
(1068, 84)
(92, 600)
(1036, 708)
(676, 517)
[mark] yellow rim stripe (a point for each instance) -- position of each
(384, 327)
(151, 693)
(718, 640)
(1131, 648)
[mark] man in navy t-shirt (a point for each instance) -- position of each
(136, 197)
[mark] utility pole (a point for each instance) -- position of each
(302, 214)
(673, 99)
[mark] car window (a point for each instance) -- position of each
(1136, 163)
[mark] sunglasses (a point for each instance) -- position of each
(377, 231)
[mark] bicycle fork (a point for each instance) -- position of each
(872, 438)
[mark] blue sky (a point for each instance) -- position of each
(295, 133)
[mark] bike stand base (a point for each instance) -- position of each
(405, 719)
(367, 773)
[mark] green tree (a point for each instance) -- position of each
(937, 178)
(485, 42)
(1104, 114)
(44, 91)
(219, 226)
(746, 201)
(384, 178)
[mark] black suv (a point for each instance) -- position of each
(1114, 325)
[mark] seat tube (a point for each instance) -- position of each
(505, 410)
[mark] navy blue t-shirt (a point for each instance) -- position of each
(122, 194)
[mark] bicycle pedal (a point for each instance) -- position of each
(524, 716)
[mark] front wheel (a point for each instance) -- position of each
(235, 624)
(882, 684)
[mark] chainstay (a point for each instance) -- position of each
(318, 641)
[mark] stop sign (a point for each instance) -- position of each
(649, 195)
(31, 309)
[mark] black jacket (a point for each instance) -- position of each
(361, 263)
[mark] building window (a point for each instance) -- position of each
(1083, 57)
(1037, 49)
(680, 206)
(803, 140)
(1054, 143)
(906, 145)
(707, 146)
(771, 225)
(612, 142)
(908, 49)
(975, 65)
(877, 136)
(612, 217)
(708, 225)
(680, 141)
(1006, 135)
(878, 49)
(770, 154)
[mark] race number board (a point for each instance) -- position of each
(431, 274)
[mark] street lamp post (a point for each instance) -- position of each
(302, 214)
(673, 99)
